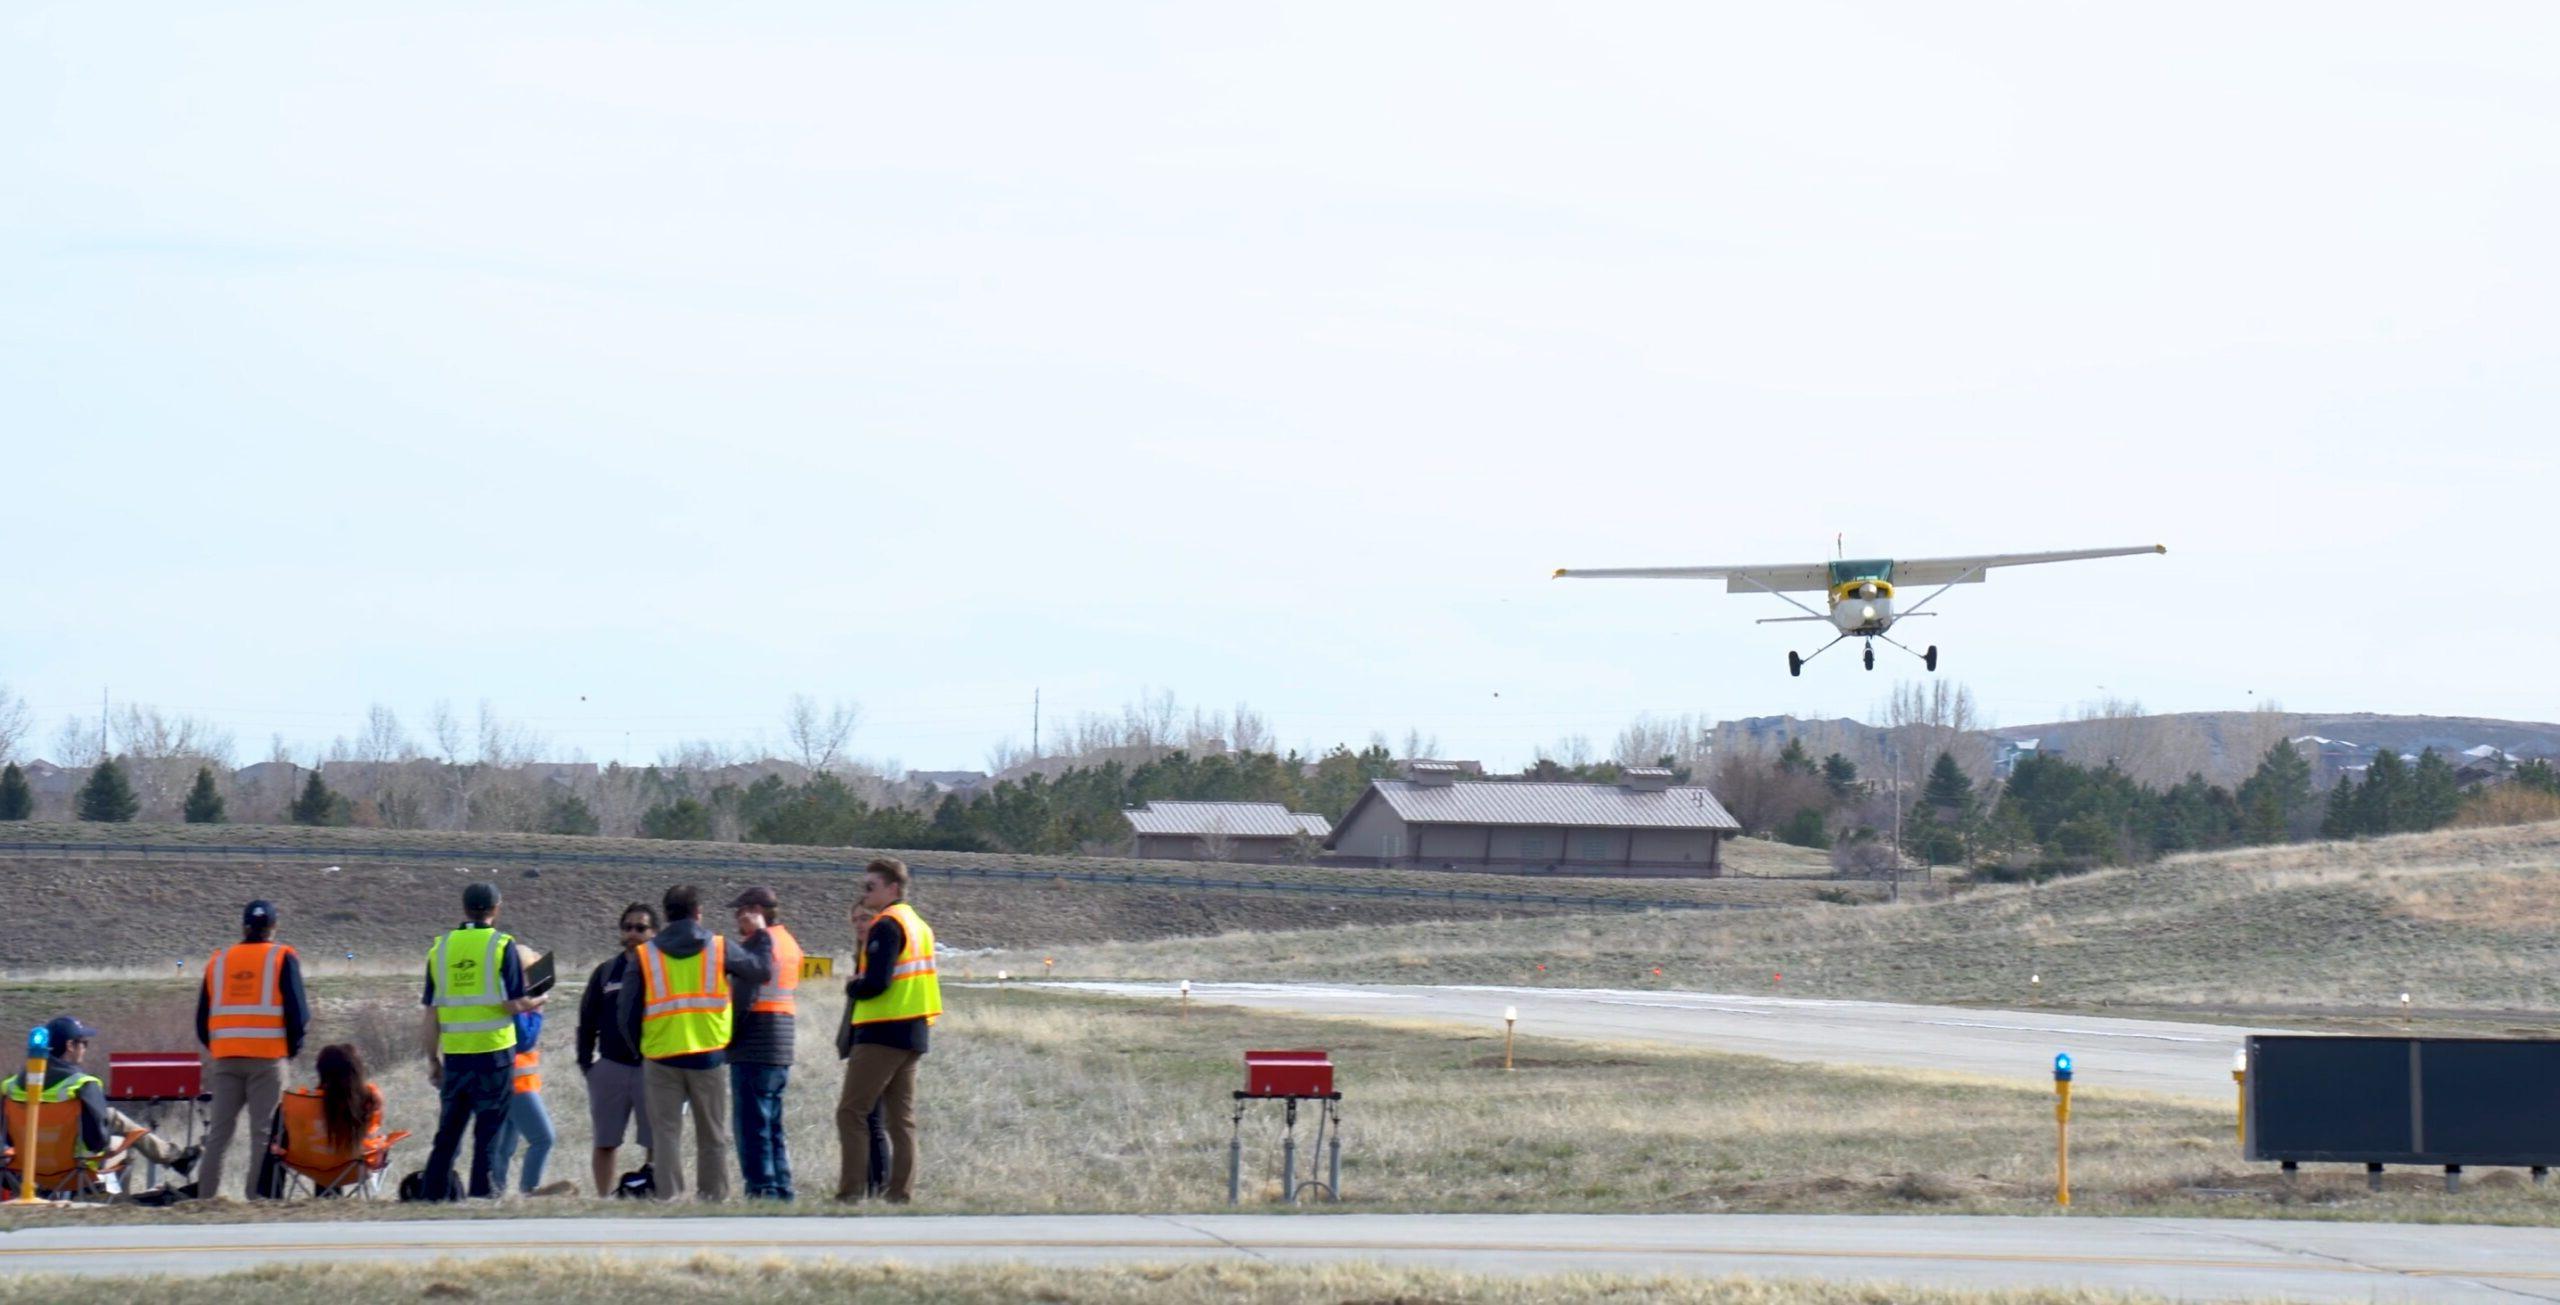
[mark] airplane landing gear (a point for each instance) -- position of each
(1930, 658)
(1795, 664)
(1871, 656)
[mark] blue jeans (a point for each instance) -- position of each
(474, 1097)
(528, 1120)
(764, 1155)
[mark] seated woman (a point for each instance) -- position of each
(332, 1133)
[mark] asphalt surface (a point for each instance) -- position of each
(2192, 1259)
(2182, 1060)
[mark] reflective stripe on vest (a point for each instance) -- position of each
(471, 993)
(53, 1093)
(529, 1070)
(915, 990)
(244, 1001)
(684, 1001)
(781, 996)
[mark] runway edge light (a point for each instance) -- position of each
(2062, 1129)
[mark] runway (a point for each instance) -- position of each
(2183, 1060)
(2213, 1259)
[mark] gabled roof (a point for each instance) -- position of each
(1231, 819)
(1577, 806)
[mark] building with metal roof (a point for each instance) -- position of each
(1642, 825)
(1224, 831)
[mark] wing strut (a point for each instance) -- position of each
(1819, 616)
(1933, 595)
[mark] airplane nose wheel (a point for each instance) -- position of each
(1871, 656)
(1930, 658)
(1795, 664)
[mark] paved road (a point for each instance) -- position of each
(2185, 1060)
(2216, 1259)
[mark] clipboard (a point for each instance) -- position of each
(539, 975)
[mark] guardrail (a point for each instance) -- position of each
(1122, 877)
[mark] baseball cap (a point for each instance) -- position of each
(260, 911)
(65, 1029)
(759, 897)
(480, 897)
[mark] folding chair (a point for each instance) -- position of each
(62, 1172)
(298, 1144)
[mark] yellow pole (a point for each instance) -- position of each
(1510, 1017)
(2240, 1098)
(38, 1048)
(2062, 1143)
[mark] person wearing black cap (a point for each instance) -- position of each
(66, 1079)
(251, 1015)
(475, 989)
(766, 1020)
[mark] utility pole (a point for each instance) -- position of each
(102, 726)
(1035, 723)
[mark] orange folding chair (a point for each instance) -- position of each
(300, 1143)
(62, 1172)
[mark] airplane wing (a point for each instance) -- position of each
(1971, 570)
(1798, 576)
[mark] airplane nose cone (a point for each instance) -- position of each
(1868, 612)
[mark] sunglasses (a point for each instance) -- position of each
(628, 927)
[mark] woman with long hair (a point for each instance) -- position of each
(350, 1105)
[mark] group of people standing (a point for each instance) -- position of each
(681, 1022)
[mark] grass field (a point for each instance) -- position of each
(2463, 921)
(769, 1282)
(1040, 1102)
(172, 905)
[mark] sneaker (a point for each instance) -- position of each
(185, 1163)
(561, 1188)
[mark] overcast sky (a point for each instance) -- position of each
(632, 367)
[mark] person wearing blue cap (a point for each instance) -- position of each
(101, 1124)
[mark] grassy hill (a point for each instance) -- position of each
(380, 892)
(2466, 919)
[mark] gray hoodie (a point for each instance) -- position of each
(682, 938)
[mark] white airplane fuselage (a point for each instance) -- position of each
(1863, 609)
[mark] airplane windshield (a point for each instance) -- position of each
(1850, 572)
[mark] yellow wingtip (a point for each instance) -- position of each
(2159, 548)
(1559, 575)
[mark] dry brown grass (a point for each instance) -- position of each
(549, 1279)
(1043, 1102)
(2464, 920)
(173, 906)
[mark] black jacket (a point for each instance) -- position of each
(880, 965)
(297, 1007)
(682, 938)
(759, 1038)
(599, 1017)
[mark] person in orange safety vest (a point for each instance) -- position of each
(766, 1023)
(251, 1014)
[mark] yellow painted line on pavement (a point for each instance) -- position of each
(1226, 1245)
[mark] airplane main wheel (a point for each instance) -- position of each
(1930, 658)
(1871, 657)
(1795, 664)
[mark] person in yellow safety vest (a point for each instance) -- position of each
(761, 1044)
(251, 1014)
(475, 990)
(891, 1004)
(680, 1015)
(69, 1086)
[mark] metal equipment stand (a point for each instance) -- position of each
(1328, 1141)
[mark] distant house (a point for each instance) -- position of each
(964, 782)
(2007, 753)
(1223, 831)
(1641, 825)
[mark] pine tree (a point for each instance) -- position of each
(17, 801)
(204, 806)
(2345, 814)
(2383, 802)
(1948, 789)
(682, 818)
(317, 805)
(108, 797)
(2538, 775)
(2435, 792)
(1839, 774)
(1794, 760)
(2275, 801)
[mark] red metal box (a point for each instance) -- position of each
(1288, 1074)
(154, 1076)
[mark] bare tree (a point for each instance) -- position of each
(17, 722)
(1419, 744)
(1250, 730)
(1921, 720)
(78, 742)
(1215, 844)
(818, 738)
(1149, 723)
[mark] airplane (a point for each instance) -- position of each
(1861, 589)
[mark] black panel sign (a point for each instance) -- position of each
(2404, 1101)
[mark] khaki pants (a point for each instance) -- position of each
(667, 1093)
(885, 1076)
(153, 1147)
(251, 1085)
